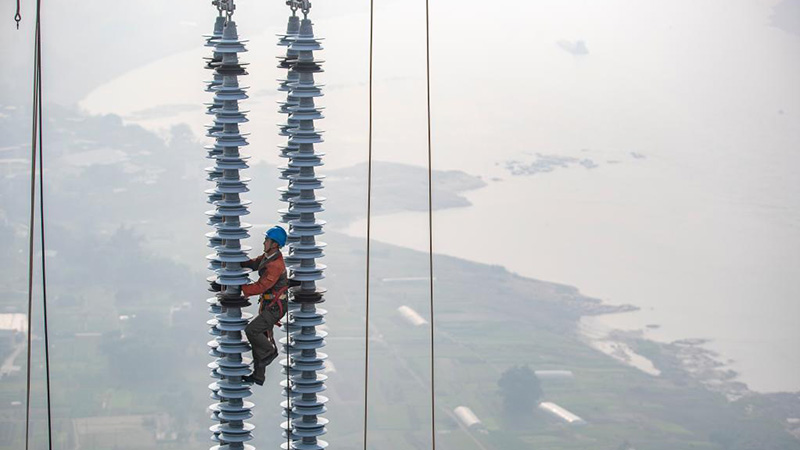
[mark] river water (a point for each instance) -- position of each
(655, 168)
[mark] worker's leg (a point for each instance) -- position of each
(263, 349)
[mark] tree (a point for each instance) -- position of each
(520, 390)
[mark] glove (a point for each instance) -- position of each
(293, 283)
(216, 287)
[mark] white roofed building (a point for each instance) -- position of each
(553, 374)
(561, 413)
(411, 316)
(14, 322)
(468, 418)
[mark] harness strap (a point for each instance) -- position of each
(276, 298)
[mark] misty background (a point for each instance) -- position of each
(615, 198)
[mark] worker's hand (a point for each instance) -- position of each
(216, 287)
(293, 282)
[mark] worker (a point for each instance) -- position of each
(271, 287)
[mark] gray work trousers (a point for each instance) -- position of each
(259, 333)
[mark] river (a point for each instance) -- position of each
(655, 145)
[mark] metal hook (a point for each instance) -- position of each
(18, 16)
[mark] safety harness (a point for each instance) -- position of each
(273, 296)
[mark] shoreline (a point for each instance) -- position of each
(689, 357)
(683, 357)
(685, 354)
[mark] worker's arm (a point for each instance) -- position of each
(265, 281)
(252, 264)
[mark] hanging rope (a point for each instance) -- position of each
(288, 382)
(36, 149)
(430, 217)
(369, 225)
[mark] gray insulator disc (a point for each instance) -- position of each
(305, 154)
(309, 269)
(233, 434)
(308, 224)
(299, 402)
(298, 445)
(300, 379)
(305, 432)
(231, 385)
(308, 277)
(315, 411)
(234, 416)
(228, 372)
(305, 247)
(310, 139)
(243, 319)
(227, 447)
(228, 227)
(299, 208)
(231, 188)
(297, 114)
(301, 91)
(305, 44)
(232, 212)
(228, 258)
(233, 349)
(316, 336)
(301, 345)
(229, 395)
(309, 425)
(310, 162)
(299, 256)
(230, 407)
(229, 204)
(300, 360)
(303, 315)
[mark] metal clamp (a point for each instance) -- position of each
(218, 5)
(302, 5)
(224, 6)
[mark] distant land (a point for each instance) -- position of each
(128, 320)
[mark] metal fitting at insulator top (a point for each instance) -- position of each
(224, 7)
(303, 5)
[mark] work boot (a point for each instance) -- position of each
(252, 379)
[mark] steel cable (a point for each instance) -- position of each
(31, 234)
(430, 217)
(42, 229)
(37, 144)
(369, 225)
(288, 381)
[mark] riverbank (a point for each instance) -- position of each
(689, 357)
(597, 230)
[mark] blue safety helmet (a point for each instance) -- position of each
(277, 234)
